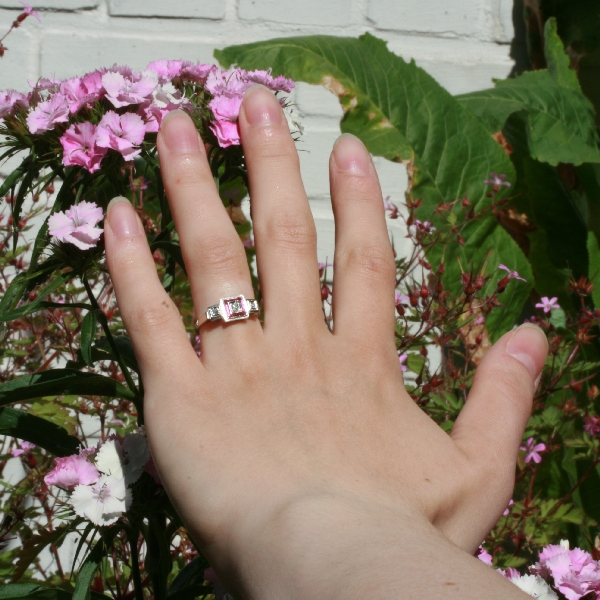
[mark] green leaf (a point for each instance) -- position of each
(594, 274)
(51, 437)
(557, 59)
(11, 181)
(90, 566)
(560, 120)
(58, 382)
(88, 332)
(34, 591)
(191, 575)
(158, 560)
(401, 113)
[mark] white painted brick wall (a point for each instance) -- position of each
(462, 43)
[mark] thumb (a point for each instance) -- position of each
(491, 424)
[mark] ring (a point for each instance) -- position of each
(233, 308)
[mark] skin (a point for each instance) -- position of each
(294, 455)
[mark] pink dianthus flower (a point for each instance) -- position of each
(46, 114)
(123, 133)
(80, 147)
(70, 471)
(9, 100)
(77, 225)
(123, 91)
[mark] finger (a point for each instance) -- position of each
(364, 267)
(212, 250)
(284, 230)
(491, 424)
(152, 320)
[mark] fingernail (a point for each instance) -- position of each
(524, 345)
(179, 133)
(261, 107)
(350, 155)
(122, 218)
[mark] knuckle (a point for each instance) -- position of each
(292, 230)
(274, 143)
(218, 254)
(370, 259)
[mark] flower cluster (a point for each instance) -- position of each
(573, 573)
(115, 109)
(101, 488)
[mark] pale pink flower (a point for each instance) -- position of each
(391, 208)
(230, 82)
(10, 100)
(80, 147)
(591, 424)
(510, 573)
(479, 320)
(282, 84)
(46, 114)
(123, 91)
(196, 72)
(507, 510)
(70, 471)
(123, 133)
(402, 359)
(166, 70)
(226, 107)
(77, 93)
(25, 447)
(511, 274)
(547, 304)
(400, 298)
(227, 133)
(50, 84)
(28, 10)
(92, 82)
(532, 451)
(497, 180)
(484, 556)
(77, 225)
(104, 501)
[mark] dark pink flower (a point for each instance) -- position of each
(532, 451)
(400, 298)
(73, 470)
(123, 91)
(77, 225)
(402, 359)
(198, 72)
(282, 84)
(391, 208)
(591, 424)
(46, 114)
(228, 133)
(80, 147)
(123, 133)
(484, 556)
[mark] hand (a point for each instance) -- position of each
(294, 455)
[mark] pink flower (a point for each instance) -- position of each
(25, 447)
(402, 359)
(591, 425)
(391, 207)
(282, 84)
(547, 304)
(226, 107)
(45, 83)
(400, 298)
(166, 70)
(80, 147)
(46, 114)
(511, 274)
(424, 227)
(497, 180)
(28, 10)
(532, 451)
(484, 556)
(77, 225)
(70, 471)
(122, 133)
(198, 72)
(227, 133)
(77, 92)
(10, 100)
(507, 510)
(122, 91)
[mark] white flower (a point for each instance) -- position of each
(124, 459)
(166, 95)
(535, 586)
(102, 502)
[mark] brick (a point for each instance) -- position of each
(67, 55)
(304, 12)
(192, 9)
(458, 17)
(53, 4)
(20, 62)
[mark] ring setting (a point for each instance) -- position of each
(232, 308)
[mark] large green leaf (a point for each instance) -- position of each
(51, 437)
(401, 113)
(58, 382)
(558, 61)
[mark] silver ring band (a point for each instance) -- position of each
(232, 308)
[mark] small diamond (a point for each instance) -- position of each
(235, 308)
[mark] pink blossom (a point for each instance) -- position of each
(166, 70)
(479, 321)
(123, 91)
(230, 82)
(81, 91)
(226, 107)
(511, 274)
(10, 100)
(532, 451)
(400, 298)
(507, 510)
(227, 133)
(25, 447)
(46, 114)
(497, 180)
(484, 556)
(70, 471)
(198, 72)
(424, 227)
(402, 359)
(80, 147)
(591, 424)
(28, 10)
(282, 84)
(77, 225)
(391, 208)
(122, 133)
(547, 304)
(50, 84)
(92, 82)
(510, 573)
